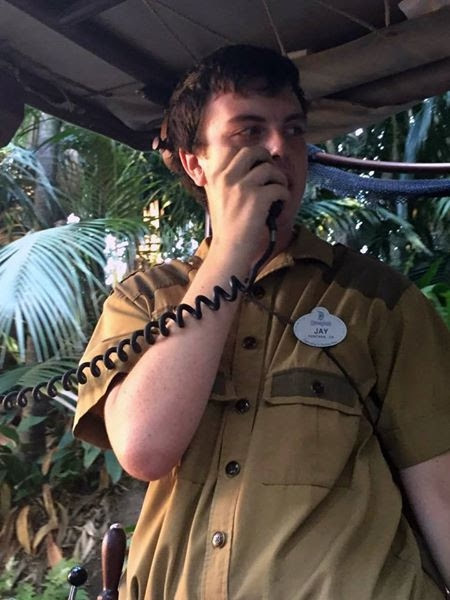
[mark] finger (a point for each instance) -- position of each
(271, 192)
(243, 161)
(265, 173)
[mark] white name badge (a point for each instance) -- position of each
(320, 329)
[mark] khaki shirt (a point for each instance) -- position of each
(283, 493)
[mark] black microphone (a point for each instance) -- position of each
(274, 212)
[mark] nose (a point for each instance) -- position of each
(275, 143)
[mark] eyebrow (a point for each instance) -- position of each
(258, 119)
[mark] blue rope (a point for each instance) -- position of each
(344, 183)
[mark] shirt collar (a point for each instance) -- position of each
(304, 246)
(307, 246)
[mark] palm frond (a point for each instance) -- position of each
(419, 129)
(21, 170)
(43, 278)
(102, 178)
(442, 211)
(360, 225)
(181, 217)
(31, 375)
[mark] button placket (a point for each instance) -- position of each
(258, 291)
(249, 342)
(232, 468)
(248, 355)
(219, 539)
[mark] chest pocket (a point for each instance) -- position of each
(307, 429)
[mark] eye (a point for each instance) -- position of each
(252, 132)
(295, 129)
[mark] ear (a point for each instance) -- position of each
(192, 167)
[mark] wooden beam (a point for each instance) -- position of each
(95, 119)
(80, 111)
(11, 107)
(101, 43)
(85, 9)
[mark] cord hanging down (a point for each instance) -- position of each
(75, 376)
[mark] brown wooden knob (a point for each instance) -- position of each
(113, 556)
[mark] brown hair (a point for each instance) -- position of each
(229, 69)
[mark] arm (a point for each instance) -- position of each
(427, 486)
(152, 415)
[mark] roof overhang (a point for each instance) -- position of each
(110, 65)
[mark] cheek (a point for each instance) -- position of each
(216, 161)
(301, 149)
(300, 163)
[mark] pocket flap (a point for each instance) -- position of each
(223, 389)
(312, 386)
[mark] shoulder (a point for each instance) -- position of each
(368, 276)
(148, 280)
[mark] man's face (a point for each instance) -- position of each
(232, 121)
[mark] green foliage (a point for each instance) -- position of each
(52, 271)
(32, 374)
(100, 178)
(53, 284)
(53, 587)
(20, 170)
(411, 233)
(371, 226)
(50, 282)
(439, 295)
(69, 463)
(181, 217)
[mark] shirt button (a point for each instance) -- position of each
(318, 387)
(233, 468)
(258, 292)
(219, 539)
(249, 342)
(242, 406)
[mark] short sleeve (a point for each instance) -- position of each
(412, 359)
(121, 316)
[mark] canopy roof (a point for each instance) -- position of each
(110, 65)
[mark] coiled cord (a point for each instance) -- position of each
(72, 377)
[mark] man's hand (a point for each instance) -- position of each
(241, 189)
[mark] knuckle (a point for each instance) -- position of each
(227, 178)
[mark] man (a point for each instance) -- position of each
(256, 424)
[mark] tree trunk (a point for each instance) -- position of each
(47, 128)
(33, 441)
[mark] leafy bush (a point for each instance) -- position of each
(67, 463)
(54, 586)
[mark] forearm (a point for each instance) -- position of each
(434, 524)
(428, 488)
(436, 529)
(152, 415)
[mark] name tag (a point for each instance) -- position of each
(319, 328)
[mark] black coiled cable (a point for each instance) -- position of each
(71, 378)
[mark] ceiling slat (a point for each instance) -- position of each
(106, 46)
(85, 9)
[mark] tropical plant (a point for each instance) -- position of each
(53, 587)
(420, 233)
(52, 278)
(181, 218)
(51, 283)
(65, 193)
